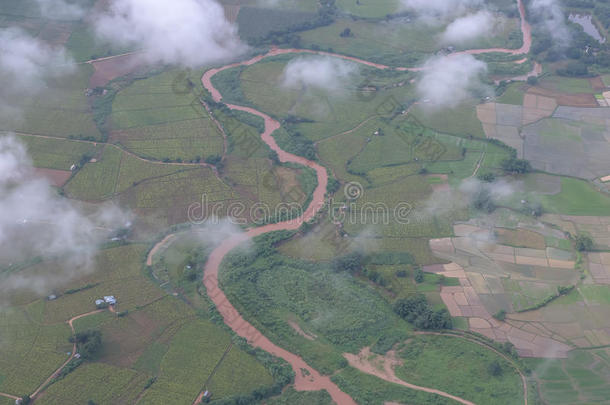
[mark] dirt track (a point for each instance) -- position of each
(385, 371)
(48, 380)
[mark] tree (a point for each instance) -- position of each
(416, 310)
(487, 177)
(213, 160)
(87, 342)
(350, 262)
(495, 368)
(26, 400)
(583, 243)
(532, 80)
(483, 201)
(419, 275)
(500, 315)
(517, 166)
(346, 33)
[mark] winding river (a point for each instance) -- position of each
(306, 378)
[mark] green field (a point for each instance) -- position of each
(581, 378)
(566, 84)
(61, 109)
(577, 197)
(369, 8)
(192, 355)
(367, 389)
(58, 154)
(460, 368)
(344, 313)
(96, 382)
(31, 349)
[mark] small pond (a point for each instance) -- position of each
(585, 22)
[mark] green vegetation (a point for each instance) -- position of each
(367, 389)
(60, 110)
(581, 378)
(460, 367)
(32, 349)
(577, 197)
(292, 397)
(88, 343)
(58, 154)
(583, 243)
(342, 312)
(416, 310)
(97, 382)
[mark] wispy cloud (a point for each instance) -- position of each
(183, 32)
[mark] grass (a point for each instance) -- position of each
(367, 389)
(581, 378)
(513, 94)
(97, 382)
(559, 130)
(577, 197)
(154, 100)
(331, 112)
(460, 368)
(461, 120)
(566, 84)
(84, 45)
(292, 397)
(256, 22)
(183, 140)
(369, 8)
(31, 349)
(192, 355)
(97, 181)
(61, 109)
(344, 313)
(116, 271)
(57, 154)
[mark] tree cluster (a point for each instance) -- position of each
(87, 342)
(416, 310)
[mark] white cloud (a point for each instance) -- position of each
(36, 222)
(551, 15)
(448, 80)
(60, 9)
(184, 32)
(468, 28)
(321, 72)
(25, 64)
(441, 8)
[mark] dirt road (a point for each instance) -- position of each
(384, 369)
(52, 376)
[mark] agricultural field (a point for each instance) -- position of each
(456, 241)
(97, 382)
(62, 110)
(581, 378)
(313, 297)
(459, 367)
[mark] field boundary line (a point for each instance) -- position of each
(47, 382)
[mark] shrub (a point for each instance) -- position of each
(494, 368)
(419, 275)
(583, 243)
(500, 315)
(518, 166)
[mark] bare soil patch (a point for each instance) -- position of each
(56, 177)
(109, 69)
